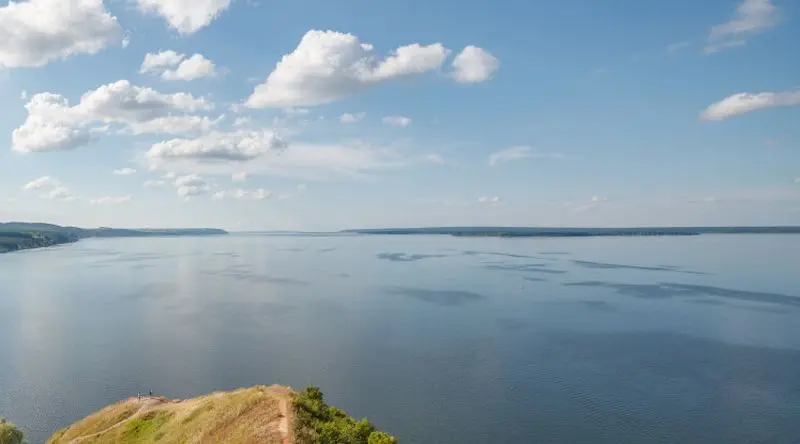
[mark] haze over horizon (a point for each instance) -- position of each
(314, 115)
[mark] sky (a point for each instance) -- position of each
(326, 115)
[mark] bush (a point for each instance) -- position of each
(319, 423)
(381, 438)
(9, 433)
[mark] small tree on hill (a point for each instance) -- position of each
(381, 438)
(9, 434)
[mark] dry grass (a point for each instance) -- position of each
(250, 415)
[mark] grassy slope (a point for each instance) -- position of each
(250, 415)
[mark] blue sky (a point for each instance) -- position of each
(312, 114)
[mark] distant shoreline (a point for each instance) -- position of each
(512, 232)
(18, 236)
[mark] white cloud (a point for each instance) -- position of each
(222, 146)
(160, 61)
(352, 118)
(191, 185)
(243, 193)
(52, 188)
(239, 177)
(495, 200)
(294, 112)
(594, 202)
(45, 182)
(154, 184)
(126, 40)
(241, 121)
(124, 172)
(35, 32)
(752, 17)
(195, 67)
(474, 65)
(111, 200)
(398, 121)
(742, 103)
(53, 125)
(60, 193)
(328, 65)
(519, 152)
(169, 175)
(23, 95)
(711, 49)
(185, 16)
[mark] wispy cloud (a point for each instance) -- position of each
(679, 46)
(752, 17)
(519, 152)
(352, 118)
(398, 121)
(742, 103)
(124, 172)
(111, 200)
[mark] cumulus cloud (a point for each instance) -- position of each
(352, 118)
(111, 200)
(239, 177)
(398, 121)
(328, 65)
(752, 17)
(243, 193)
(53, 125)
(124, 172)
(185, 16)
(519, 152)
(175, 66)
(473, 65)
(154, 184)
(191, 185)
(237, 146)
(160, 61)
(35, 32)
(742, 103)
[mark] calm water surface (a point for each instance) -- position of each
(437, 339)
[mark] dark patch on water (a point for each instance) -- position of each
(534, 279)
(403, 257)
(491, 253)
(598, 305)
(154, 291)
(670, 290)
(242, 273)
(326, 250)
(512, 324)
(608, 266)
(558, 253)
(447, 298)
(526, 268)
(340, 275)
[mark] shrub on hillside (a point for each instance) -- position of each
(9, 434)
(319, 423)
